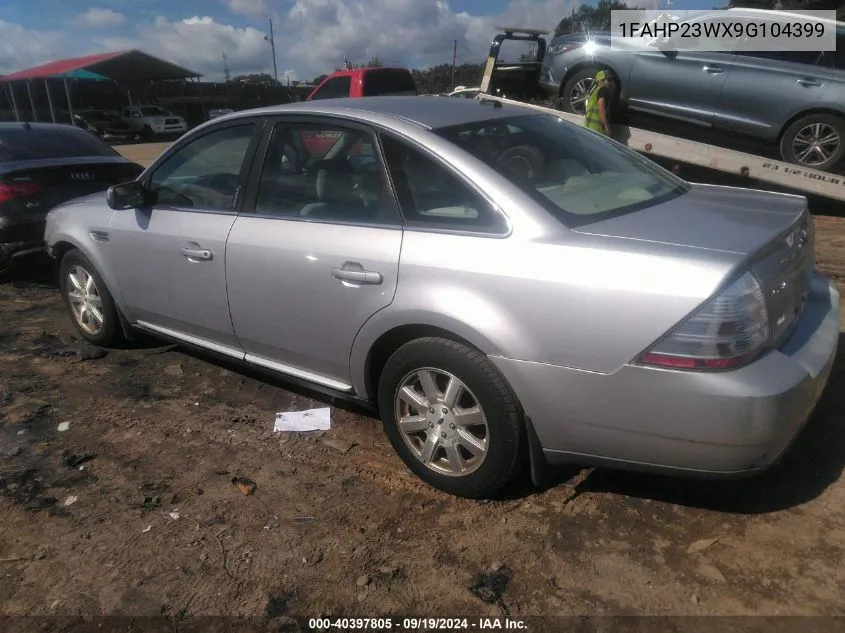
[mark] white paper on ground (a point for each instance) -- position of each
(308, 420)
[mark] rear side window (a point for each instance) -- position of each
(388, 81)
(335, 88)
(431, 195)
(35, 143)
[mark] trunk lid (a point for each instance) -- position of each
(31, 188)
(772, 232)
(709, 217)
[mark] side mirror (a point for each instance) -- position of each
(127, 195)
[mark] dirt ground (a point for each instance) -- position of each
(117, 497)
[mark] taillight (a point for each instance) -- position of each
(722, 334)
(13, 191)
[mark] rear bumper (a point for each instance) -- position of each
(20, 238)
(713, 424)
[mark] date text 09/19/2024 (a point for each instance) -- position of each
(415, 624)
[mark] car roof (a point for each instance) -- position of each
(423, 111)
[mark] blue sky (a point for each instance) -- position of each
(311, 35)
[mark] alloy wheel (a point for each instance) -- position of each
(816, 143)
(85, 300)
(578, 95)
(442, 422)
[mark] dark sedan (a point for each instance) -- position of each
(42, 165)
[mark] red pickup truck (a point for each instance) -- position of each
(357, 82)
(365, 82)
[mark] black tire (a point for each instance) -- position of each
(567, 96)
(566, 91)
(291, 164)
(523, 162)
(829, 122)
(505, 435)
(110, 333)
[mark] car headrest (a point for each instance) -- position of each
(335, 182)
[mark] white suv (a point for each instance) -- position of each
(152, 121)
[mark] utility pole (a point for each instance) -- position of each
(454, 61)
(272, 41)
(227, 76)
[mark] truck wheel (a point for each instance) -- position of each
(815, 140)
(574, 93)
(523, 161)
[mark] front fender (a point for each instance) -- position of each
(73, 225)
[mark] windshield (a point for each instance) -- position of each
(154, 111)
(577, 175)
(34, 143)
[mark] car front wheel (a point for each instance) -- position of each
(88, 301)
(451, 417)
(815, 140)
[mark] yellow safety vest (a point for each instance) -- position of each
(592, 120)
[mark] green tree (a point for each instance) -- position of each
(589, 18)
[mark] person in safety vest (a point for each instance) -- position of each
(597, 113)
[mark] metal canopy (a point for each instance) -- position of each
(125, 67)
(131, 66)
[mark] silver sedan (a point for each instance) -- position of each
(504, 288)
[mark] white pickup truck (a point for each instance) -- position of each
(152, 121)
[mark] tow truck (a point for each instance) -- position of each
(517, 83)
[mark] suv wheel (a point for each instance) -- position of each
(88, 301)
(451, 417)
(573, 95)
(814, 140)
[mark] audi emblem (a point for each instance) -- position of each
(82, 175)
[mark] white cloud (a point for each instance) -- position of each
(198, 43)
(98, 18)
(320, 33)
(312, 36)
(249, 8)
(22, 48)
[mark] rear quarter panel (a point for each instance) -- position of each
(586, 302)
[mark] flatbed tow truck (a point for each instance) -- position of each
(520, 81)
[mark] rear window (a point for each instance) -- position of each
(35, 143)
(388, 81)
(577, 175)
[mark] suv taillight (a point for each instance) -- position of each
(14, 191)
(723, 334)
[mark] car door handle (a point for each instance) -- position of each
(713, 70)
(355, 273)
(197, 253)
(809, 83)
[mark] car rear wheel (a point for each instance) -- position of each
(451, 417)
(87, 300)
(815, 140)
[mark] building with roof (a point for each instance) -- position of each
(122, 67)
